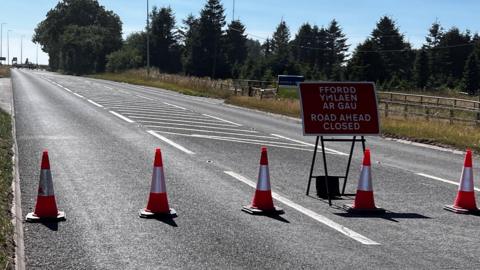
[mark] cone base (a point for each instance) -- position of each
(147, 214)
(458, 210)
(255, 211)
(31, 217)
(365, 211)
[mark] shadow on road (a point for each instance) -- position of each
(167, 220)
(277, 217)
(390, 216)
(52, 225)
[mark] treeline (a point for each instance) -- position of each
(207, 46)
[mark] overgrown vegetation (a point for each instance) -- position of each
(6, 227)
(4, 72)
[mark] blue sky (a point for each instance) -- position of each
(357, 17)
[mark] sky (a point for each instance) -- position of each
(356, 17)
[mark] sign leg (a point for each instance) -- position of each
(326, 172)
(348, 164)
(313, 165)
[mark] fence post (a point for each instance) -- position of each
(451, 116)
(405, 111)
(427, 113)
(478, 113)
(386, 109)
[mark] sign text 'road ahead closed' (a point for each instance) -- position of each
(339, 108)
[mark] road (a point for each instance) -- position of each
(101, 138)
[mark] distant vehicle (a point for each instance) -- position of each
(14, 61)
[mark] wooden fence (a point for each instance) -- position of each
(449, 109)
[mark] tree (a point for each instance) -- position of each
(131, 55)
(336, 50)
(235, 47)
(366, 63)
(79, 32)
(396, 54)
(304, 43)
(280, 61)
(471, 75)
(165, 50)
(206, 57)
(421, 69)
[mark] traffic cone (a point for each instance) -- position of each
(465, 200)
(157, 205)
(364, 201)
(46, 206)
(262, 202)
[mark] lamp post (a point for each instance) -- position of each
(148, 38)
(21, 49)
(1, 40)
(8, 47)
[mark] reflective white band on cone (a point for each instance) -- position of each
(45, 187)
(158, 181)
(365, 182)
(263, 178)
(466, 182)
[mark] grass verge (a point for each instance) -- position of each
(4, 72)
(419, 130)
(6, 227)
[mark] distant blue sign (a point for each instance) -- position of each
(290, 80)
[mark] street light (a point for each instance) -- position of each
(148, 38)
(1, 40)
(8, 47)
(21, 49)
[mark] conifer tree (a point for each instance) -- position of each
(471, 76)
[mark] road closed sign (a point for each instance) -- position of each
(339, 108)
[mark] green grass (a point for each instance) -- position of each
(290, 93)
(6, 227)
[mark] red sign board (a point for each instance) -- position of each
(339, 108)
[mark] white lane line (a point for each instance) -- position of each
(197, 126)
(207, 131)
(68, 90)
(167, 121)
(153, 110)
(322, 219)
(441, 179)
(242, 139)
(219, 132)
(309, 144)
(80, 96)
(179, 147)
(122, 117)
(184, 120)
(109, 88)
(272, 144)
(147, 98)
(182, 108)
(171, 116)
(94, 103)
(223, 120)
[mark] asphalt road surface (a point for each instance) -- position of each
(101, 138)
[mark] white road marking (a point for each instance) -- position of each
(197, 126)
(167, 121)
(322, 219)
(309, 144)
(182, 120)
(174, 106)
(66, 89)
(94, 103)
(207, 131)
(140, 96)
(170, 116)
(122, 117)
(179, 147)
(240, 139)
(272, 144)
(109, 88)
(80, 96)
(223, 120)
(441, 179)
(153, 110)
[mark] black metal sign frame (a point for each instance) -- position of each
(345, 177)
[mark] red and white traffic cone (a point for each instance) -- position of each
(46, 206)
(262, 202)
(157, 205)
(465, 200)
(364, 199)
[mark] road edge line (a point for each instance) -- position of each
(441, 179)
(322, 219)
(176, 145)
